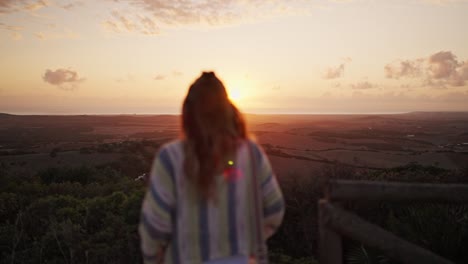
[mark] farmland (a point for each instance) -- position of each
(299, 144)
(71, 186)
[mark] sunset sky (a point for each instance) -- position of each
(295, 56)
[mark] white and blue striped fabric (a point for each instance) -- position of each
(190, 230)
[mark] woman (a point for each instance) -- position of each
(200, 203)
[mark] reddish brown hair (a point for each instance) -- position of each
(212, 128)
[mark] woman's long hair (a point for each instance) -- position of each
(212, 129)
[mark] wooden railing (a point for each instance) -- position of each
(335, 222)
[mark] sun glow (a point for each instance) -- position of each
(235, 95)
(238, 91)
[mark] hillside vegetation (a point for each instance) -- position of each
(89, 214)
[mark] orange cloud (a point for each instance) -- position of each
(62, 78)
(440, 70)
(442, 65)
(36, 5)
(6, 5)
(10, 6)
(204, 12)
(177, 73)
(444, 2)
(404, 68)
(160, 77)
(120, 23)
(337, 71)
(123, 20)
(111, 26)
(14, 31)
(363, 85)
(72, 5)
(10, 28)
(64, 34)
(334, 72)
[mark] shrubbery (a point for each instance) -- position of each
(90, 215)
(65, 215)
(441, 228)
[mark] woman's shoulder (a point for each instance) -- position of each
(251, 140)
(172, 145)
(170, 151)
(256, 147)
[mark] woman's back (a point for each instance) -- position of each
(201, 198)
(193, 229)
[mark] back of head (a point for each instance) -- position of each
(212, 127)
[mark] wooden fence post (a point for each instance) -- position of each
(351, 225)
(334, 221)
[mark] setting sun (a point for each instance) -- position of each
(235, 95)
(239, 90)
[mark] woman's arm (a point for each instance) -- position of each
(273, 201)
(157, 210)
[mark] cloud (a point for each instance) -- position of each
(72, 5)
(40, 35)
(404, 68)
(9, 27)
(120, 23)
(124, 21)
(36, 5)
(147, 16)
(63, 78)
(366, 101)
(13, 30)
(363, 85)
(48, 35)
(463, 70)
(11, 6)
(30, 8)
(440, 70)
(334, 72)
(159, 77)
(445, 70)
(174, 73)
(442, 65)
(347, 59)
(6, 5)
(149, 26)
(444, 2)
(111, 26)
(177, 73)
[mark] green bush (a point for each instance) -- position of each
(90, 215)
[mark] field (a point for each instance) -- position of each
(71, 187)
(296, 144)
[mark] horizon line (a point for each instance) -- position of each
(245, 113)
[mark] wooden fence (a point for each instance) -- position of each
(335, 222)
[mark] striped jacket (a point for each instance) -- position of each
(191, 231)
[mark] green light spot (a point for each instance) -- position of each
(231, 162)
